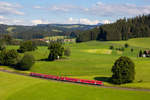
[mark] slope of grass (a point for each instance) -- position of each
(92, 65)
(137, 42)
(15, 87)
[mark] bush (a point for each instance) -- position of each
(27, 46)
(123, 71)
(132, 49)
(140, 53)
(67, 52)
(39, 43)
(9, 58)
(126, 45)
(56, 51)
(6, 38)
(2, 45)
(26, 62)
(111, 47)
(122, 49)
(2, 57)
(15, 42)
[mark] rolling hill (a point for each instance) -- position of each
(42, 30)
(16, 87)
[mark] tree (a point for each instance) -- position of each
(26, 62)
(27, 46)
(67, 52)
(6, 38)
(73, 35)
(2, 57)
(132, 49)
(123, 71)
(9, 57)
(140, 53)
(126, 45)
(2, 45)
(56, 51)
(111, 47)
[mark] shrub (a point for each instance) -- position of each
(56, 51)
(26, 62)
(67, 52)
(111, 47)
(122, 49)
(39, 43)
(27, 46)
(140, 53)
(9, 57)
(132, 49)
(123, 71)
(126, 45)
(2, 57)
(2, 45)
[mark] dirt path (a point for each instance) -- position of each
(120, 88)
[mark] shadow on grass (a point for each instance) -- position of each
(46, 59)
(104, 79)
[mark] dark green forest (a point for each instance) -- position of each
(42, 30)
(122, 29)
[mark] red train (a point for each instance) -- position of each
(75, 80)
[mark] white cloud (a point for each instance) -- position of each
(114, 10)
(101, 9)
(64, 8)
(82, 21)
(8, 8)
(1, 17)
(106, 21)
(9, 21)
(73, 21)
(38, 21)
(87, 21)
(37, 7)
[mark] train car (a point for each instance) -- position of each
(99, 83)
(75, 80)
(72, 80)
(62, 78)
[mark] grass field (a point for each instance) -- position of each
(54, 37)
(94, 60)
(138, 42)
(16, 87)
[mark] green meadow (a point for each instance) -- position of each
(16, 87)
(94, 60)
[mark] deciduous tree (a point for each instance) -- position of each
(123, 71)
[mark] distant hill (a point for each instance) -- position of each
(72, 26)
(122, 29)
(43, 30)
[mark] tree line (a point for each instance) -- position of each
(122, 29)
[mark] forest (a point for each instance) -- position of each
(42, 30)
(122, 29)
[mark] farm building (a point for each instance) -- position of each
(146, 53)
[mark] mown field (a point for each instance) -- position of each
(94, 60)
(16, 87)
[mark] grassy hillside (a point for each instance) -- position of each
(138, 42)
(15, 87)
(94, 60)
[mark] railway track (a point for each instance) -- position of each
(112, 87)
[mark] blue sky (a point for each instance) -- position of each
(32, 12)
